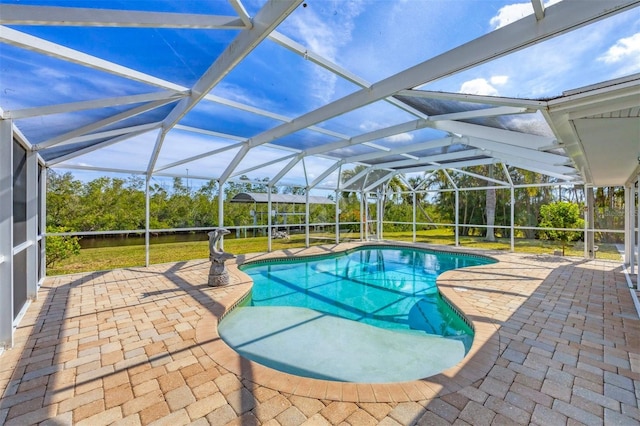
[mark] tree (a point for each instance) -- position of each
(350, 201)
(205, 204)
(530, 199)
(294, 190)
(60, 247)
(63, 199)
(561, 214)
(347, 175)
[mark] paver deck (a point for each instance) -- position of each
(557, 342)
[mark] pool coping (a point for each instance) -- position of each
(475, 365)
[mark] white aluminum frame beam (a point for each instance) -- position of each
(538, 9)
(420, 146)
(571, 175)
(355, 178)
(215, 151)
(452, 165)
(370, 136)
(91, 17)
(477, 99)
(480, 113)
(197, 157)
(111, 133)
(242, 12)
(560, 172)
(317, 59)
(262, 165)
(336, 69)
(92, 148)
(168, 96)
(383, 179)
(208, 132)
(102, 169)
(326, 173)
(100, 124)
(258, 111)
(518, 151)
(485, 178)
(467, 153)
(510, 137)
(380, 181)
(29, 42)
(267, 19)
(285, 170)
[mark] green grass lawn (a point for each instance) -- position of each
(96, 259)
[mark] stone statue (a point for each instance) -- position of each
(218, 275)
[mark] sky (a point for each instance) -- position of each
(373, 39)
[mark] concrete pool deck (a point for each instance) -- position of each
(558, 342)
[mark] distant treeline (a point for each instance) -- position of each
(108, 204)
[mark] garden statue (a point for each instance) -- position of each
(218, 275)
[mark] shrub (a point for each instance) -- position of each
(60, 247)
(561, 214)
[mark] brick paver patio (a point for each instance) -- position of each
(558, 342)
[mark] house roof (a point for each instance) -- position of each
(262, 198)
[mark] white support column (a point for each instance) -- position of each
(147, 220)
(629, 236)
(513, 219)
(32, 226)
(414, 215)
(337, 216)
(589, 224)
(42, 219)
(221, 211)
(585, 233)
(457, 214)
(635, 249)
(512, 202)
(630, 228)
(365, 212)
(269, 220)
(306, 217)
(377, 224)
(361, 216)
(380, 216)
(6, 235)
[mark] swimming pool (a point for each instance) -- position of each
(371, 314)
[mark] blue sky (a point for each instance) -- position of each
(373, 39)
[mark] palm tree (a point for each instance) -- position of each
(415, 181)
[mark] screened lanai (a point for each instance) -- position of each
(332, 98)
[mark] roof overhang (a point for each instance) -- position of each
(599, 127)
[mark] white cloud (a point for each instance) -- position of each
(513, 12)
(400, 137)
(499, 80)
(510, 13)
(236, 93)
(369, 125)
(478, 86)
(324, 37)
(625, 49)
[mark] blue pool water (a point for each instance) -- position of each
(385, 294)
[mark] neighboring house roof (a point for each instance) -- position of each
(257, 197)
